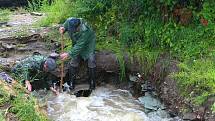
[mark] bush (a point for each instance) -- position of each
(197, 80)
(59, 11)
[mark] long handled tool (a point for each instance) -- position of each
(62, 63)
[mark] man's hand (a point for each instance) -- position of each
(64, 56)
(56, 92)
(28, 85)
(61, 30)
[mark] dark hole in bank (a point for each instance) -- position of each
(83, 93)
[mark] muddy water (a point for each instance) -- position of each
(104, 104)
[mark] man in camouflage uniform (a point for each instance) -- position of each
(84, 41)
(36, 66)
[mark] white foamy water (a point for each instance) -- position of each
(104, 104)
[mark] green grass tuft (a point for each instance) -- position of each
(24, 108)
(136, 51)
(4, 15)
(197, 80)
(1, 116)
(59, 11)
(213, 108)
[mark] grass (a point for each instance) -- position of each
(197, 80)
(115, 47)
(59, 11)
(26, 111)
(136, 51)
(24, 107)
(213, 108)
(4, 15)
(1, 116)
(4, 96)
(147, 57)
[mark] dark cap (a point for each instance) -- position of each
(51, 64)
(73, 24)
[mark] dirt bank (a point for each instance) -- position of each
(169, 93)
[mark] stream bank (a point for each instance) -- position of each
(15, 48)
(169, 93)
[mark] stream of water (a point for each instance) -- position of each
(106, 103)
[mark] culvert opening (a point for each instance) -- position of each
(83, 93)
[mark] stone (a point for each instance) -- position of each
(8, 46)
(3, 23)
(36, 14)
(189, 116)
(133, 78)
(150, 103)
(159, 113)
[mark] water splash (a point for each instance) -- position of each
(104, 104)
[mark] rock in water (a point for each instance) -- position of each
(150, 103)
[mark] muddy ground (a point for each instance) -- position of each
(19, 37)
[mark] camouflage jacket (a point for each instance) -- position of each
(30, 68)
(83, 42)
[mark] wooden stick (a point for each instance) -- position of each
(62, 64)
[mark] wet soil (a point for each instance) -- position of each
(169, 93)
(20, 38)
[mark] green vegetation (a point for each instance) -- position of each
(4, 15)
(57, 12)
(145, 29)
(1, 116)
(26, 111)
(4, 96)
(198, 79)
(213, 108)
(24, 107)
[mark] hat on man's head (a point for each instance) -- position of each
(51, 64)
(73, 24)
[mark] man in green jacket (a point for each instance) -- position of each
(84, 41)
(36, 66)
